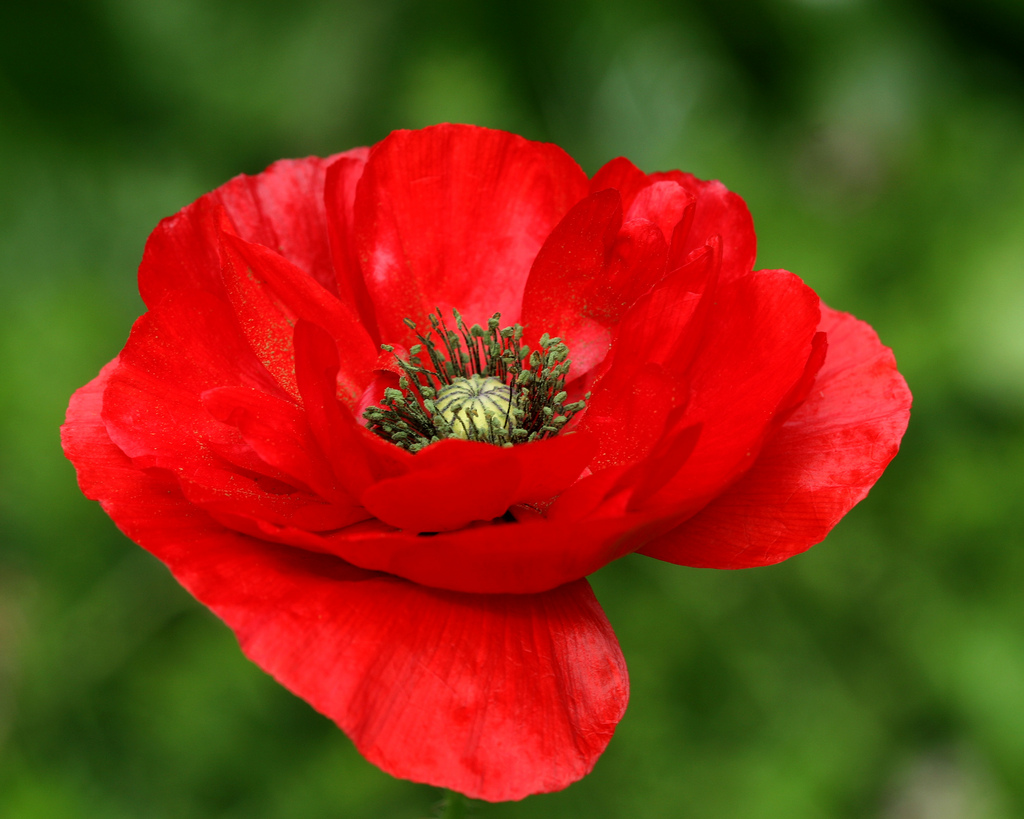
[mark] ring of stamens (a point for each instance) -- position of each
(477, 384)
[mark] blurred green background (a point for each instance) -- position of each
(880, 146)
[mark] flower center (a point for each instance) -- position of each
(472, 406)
(477, 385)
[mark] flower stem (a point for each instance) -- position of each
(454, 806)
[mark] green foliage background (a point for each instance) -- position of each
(880, 146)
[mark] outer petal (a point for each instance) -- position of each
(716, 211)
(591, 269)
(269, 295)
(276, 431)
(227, 493)
(453, 216)
(819, 464)
(646, 379)
(184, 346)
(282, 208)
(340, 196)
(556, 298)
(495, 558)
(452, 484)
(753, 353)
(494, 696)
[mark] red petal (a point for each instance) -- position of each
(224, 493)
(821, 462)
(358, 458)
(628, 420)
(277, 431)
(548, 467)
(187, 344)
(638, 263)
(668, 205)
(496, 558)
(269, 294)
(586, 496)
(655, 472)
(556, 296)
(453, 216)
(496, 697)
(716, 212)
(340, 196)
(646, 378)
(182, 253)
(281, 208)
(453, 483)
(591, 269)
(753, 353)
(449, 485)
(623, 176)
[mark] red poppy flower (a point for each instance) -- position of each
(573, 369)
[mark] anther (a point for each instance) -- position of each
(476, 384)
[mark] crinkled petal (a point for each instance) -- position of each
(223, 492)
(281, 208)
(269, 294)
(753, 352)
(340, 196)
(495, 696)
(647, 377)
(452, 217)
(454, 483)
(498, 557)
(277, 431)
(715, 211)
(449, 485)
(187, 344)
(820, 463)
(591, 269)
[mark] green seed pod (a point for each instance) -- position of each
(466, 403)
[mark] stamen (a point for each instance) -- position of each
(481, 385)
